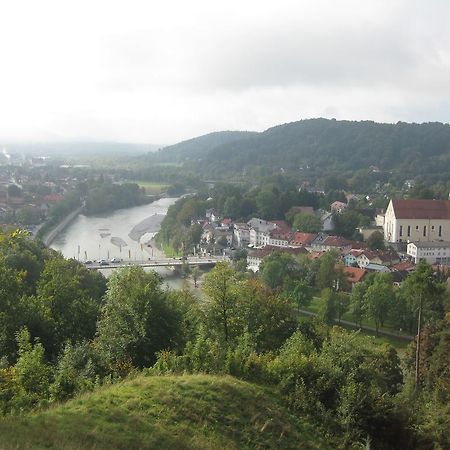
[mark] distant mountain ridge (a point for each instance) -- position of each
(200, 146)
(321, 143)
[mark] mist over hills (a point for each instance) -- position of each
(409, 148)
(71, 148)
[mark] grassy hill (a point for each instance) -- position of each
(176, 412)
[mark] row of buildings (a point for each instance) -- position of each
(413, 230)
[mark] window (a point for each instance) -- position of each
(432, 227)
(401, 230)
(440, 231)
(424, 230)
(417, 227)
(409, 230)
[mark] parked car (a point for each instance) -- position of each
(103, 262)
(88, 261)
(116, 260)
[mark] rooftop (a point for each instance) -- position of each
(432, 244)
(421, 209)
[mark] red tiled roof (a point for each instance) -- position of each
(282, 225)
(354, 274)
(336, 241)
(281, 234)
(227, 221)
(358, 245)
(405, 265)
(421, 209)
(303, 238)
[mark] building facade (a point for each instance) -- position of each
(431, 252)
(417, 220)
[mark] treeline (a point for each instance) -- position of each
(109, 197)
(374, 300)
(65, 330)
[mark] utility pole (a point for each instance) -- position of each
(419, 326)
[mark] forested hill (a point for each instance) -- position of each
(198, 147)
(412, 149)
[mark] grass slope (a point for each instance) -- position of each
(173, 412)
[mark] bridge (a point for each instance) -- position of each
(158, 262)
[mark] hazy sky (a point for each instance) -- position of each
(159, 72)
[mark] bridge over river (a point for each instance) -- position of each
(158, 262)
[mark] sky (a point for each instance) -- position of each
(160, 72)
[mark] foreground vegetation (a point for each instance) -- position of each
(67, 331)
(173, 412)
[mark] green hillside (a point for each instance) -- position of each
(198, 147)
(320, 144)
(184, 412)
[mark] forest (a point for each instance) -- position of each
(314, 147)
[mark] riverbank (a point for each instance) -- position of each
(53, 233)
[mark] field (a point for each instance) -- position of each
(152, 188)
(184, 412)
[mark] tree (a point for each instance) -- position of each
(68, 300)
(357, 306)
(11, 309)
(219, 286)
(267, 204)
(327, 311)
(308, 223)
(300, 293)
(266, 315)
(379, 298)
(32, 372)
(14, 191)
(326, 276)
(376, 241)
(278, 267)
(137, 320)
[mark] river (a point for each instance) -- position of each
(122, 234)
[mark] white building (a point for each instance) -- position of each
(241, 234)
(417, 220)
(432, 252)
(260, 232)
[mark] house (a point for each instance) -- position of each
(367, 257)
(417, 220)
(327, 243)
(377, 268)
(338, 207)
(350, 258)
(280, 238)
(226, 222)
(303, 239)
(241, 233)
(354, 274)
(437, 252)
(259, 231)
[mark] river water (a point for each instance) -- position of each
(122, 234)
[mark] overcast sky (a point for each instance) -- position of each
(160, 72)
